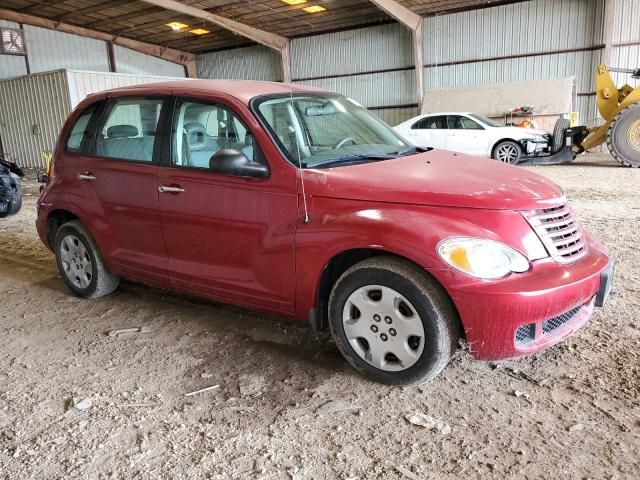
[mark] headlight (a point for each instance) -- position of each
(539, 138)
(481, 258)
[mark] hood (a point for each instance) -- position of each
(437, 178)
(521, 132)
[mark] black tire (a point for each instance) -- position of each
(14, 184)
(102, 282)
(507, 146)
(436, 312)
(558, 134)
(623, 137)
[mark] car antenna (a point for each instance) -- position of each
(307, 219)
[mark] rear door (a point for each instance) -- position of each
(118, 177)
(226, 236)
(465, 136)
(429, 132)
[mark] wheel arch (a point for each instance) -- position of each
(55, 219)
(340, 263)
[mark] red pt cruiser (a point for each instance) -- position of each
(300, 202)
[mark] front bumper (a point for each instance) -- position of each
(549, 295)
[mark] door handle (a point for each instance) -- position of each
(86, 176)
(165, 189)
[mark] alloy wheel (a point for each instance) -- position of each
(507, 153)
(76, 261)
(383, 328)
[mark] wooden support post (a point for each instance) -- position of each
(285, 58)
(418, 52)
(609, 11)
(414, 23)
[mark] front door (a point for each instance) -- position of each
(118, 178)
(465, 136)
(429, 132)
(226, 236)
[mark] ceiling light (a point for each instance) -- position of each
(294, 2)
(177, 26)
(199, 31)
(314, 9)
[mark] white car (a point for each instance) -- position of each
(475, 135)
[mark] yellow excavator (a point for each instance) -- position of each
(620, 109)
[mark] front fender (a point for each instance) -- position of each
(409, 231)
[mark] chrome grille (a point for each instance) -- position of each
(559, 231)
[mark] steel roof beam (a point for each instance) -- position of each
(268, 39)
(176, 56)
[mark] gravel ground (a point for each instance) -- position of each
(570, 412)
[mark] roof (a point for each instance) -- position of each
(144, 22)
(243, 90)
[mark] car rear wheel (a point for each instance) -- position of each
(80, 262)
(392, 322)
(507, 152)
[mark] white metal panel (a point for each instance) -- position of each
(33, 108)
(373, 90)
(351, 51)
(626, 21)
(249, 63)
(130, 61)
(83, 83)
(51, 50)
(513, 29)
(582, 65)
(11, 65)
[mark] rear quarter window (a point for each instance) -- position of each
(80, 132)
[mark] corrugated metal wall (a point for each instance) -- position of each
(351, 52)
(11, 65)
(518, 42)
(33, 108)
(249, 63)
(51, 50)
(130, 61)
(372, 65)
(515, 29)
(626, 39)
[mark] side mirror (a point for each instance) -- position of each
(233, 162)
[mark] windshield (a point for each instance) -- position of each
(485, 120)
(320, 130)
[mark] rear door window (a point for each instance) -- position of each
(128, 129)
(431, 123)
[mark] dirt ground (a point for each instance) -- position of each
(570, 412)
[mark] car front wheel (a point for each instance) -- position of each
(507, 152)
(80, 263)
(392, 322)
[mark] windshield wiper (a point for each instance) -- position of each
(411, 151)
(350, 159)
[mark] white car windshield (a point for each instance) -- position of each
(322, 130)
(485, 120)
